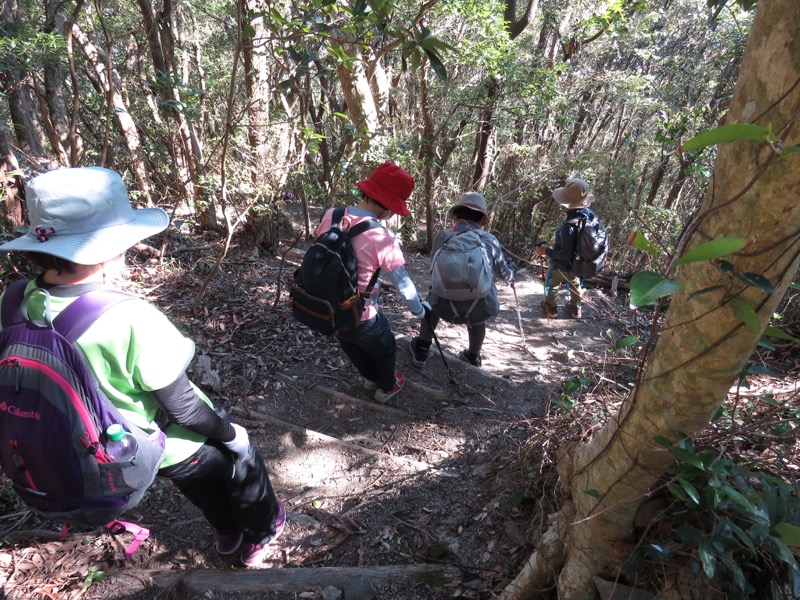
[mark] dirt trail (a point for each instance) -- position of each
(430, 478)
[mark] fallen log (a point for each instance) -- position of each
(198, 583)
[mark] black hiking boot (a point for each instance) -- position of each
(419, 352)
(474, 359)
(574, 311)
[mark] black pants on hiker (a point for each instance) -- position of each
(372, 349)
(234, 494)
(460, 312)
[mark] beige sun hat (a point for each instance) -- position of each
(574, 194)
(83, 215)
(472, 200)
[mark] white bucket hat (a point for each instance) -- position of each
(84, 215)
(574, 194)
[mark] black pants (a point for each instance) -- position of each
(451, 312)
(372, 349)
(233, 494)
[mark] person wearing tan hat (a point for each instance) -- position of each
(81, 224)
(575, 197)
(371, 346)
(469, 214)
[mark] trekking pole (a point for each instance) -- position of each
(439, 347)
(519, 315)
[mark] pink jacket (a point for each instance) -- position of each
(374, 248)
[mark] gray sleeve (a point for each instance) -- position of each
(406, 288)
(499, 264)
(183, 406)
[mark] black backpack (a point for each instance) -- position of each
(325, 295)
(592, 247)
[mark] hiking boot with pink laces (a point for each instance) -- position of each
(254, 555)
(384, 396)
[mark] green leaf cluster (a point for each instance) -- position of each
(741, 525)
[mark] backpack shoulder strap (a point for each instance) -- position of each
(362, 227)
(358, 230)
(74, 320)
(12, 300)
(337, 215)
(577, 221)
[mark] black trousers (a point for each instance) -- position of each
(233, 494)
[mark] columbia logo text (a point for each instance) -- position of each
(17, 412)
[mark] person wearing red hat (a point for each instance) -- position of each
(371, 346)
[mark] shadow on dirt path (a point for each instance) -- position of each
(432, 480)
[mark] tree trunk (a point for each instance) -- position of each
(187, 153)
(704, 345)
(257, 84)
(484, 151)
(22, 106)
(54, 76)
(12, 185)
(428, 145)
(125, 123)
(360, 102)
(483, 139)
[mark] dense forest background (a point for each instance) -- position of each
(241, 117)
(231, 111)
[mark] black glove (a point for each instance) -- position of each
(513, 268)
(511, 265)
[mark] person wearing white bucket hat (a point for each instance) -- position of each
(81, 224)
(575, 197)
(84, 216)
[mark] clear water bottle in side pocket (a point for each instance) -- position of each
(121, 445)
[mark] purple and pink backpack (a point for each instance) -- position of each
(53, 417)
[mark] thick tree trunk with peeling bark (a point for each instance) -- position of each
(360, 101)
(704, 345)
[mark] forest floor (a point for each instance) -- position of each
(433, 495)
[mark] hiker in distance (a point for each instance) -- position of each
(466, 258)
(81, 224)
(575, 197)
(371, 346)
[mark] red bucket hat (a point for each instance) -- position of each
(390, 186)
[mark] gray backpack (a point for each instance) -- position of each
(461, 269)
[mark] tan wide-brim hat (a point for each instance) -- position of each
(83, 215)
(574, 194)
(472, 200)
